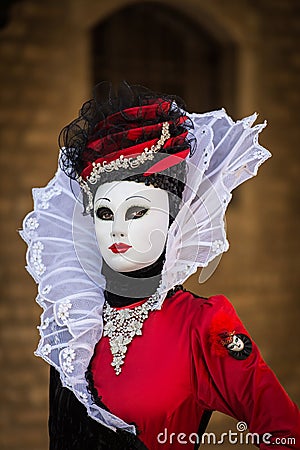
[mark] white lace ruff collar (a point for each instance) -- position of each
(64, 259)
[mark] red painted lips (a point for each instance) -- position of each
(119, 247)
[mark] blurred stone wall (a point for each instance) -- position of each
(45, 76)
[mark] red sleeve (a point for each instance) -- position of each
(230, 376)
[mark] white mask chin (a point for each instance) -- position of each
(131, 224)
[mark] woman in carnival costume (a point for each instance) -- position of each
(137, 205)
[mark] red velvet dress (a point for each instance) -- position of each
(179, 368)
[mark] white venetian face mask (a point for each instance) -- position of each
(131, 223)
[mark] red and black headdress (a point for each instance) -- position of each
(136, 134)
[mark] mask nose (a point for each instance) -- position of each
(119, 229)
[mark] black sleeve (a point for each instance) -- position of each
(70, 427)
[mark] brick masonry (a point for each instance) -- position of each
(45, 77)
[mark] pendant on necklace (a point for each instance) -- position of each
(122, 325)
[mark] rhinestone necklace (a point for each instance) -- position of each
(121, 325)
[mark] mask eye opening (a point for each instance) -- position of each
(104, 213)
(135, 212)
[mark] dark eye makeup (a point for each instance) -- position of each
(134, 212)
(104, 213)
